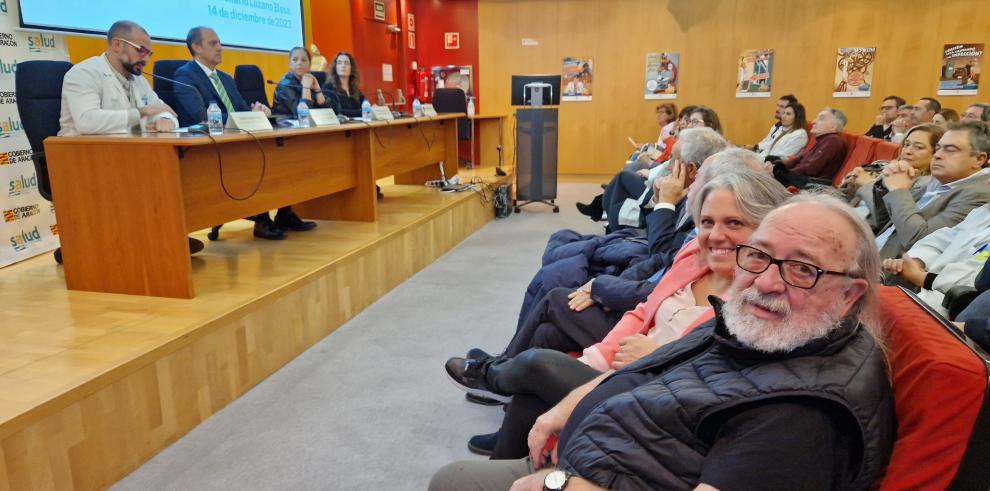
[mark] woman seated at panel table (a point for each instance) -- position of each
(343, 86)
(298, 85)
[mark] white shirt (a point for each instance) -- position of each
(953, 253)
(767, 141)
(787, 146)
(96, 102)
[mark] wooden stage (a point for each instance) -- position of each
(94, 384)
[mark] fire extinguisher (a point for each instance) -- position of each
(423, 85)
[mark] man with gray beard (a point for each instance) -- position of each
(785, 389)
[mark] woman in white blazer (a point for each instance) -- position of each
(794, 136)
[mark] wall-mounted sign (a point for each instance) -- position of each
(380, 10)
(412, 40)
(452, 40)
(411, 22)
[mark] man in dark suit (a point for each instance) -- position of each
(216, 86)
(883, 126)
(959, 173)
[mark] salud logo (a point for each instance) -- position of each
(3, 7)
(41, 42)
(10, 127)
(7, 70)
(24, 239)
(22, 185)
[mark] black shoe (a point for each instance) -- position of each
(195, 245)
(265, 228)
(477, 353)
(378, 193)
(484, 401)
(290, 221)
(468, 375)
(483, 444)
(593, 210)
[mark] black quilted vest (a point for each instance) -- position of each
(648, 438)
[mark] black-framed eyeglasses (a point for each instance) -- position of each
(143, 51)
(795, 273)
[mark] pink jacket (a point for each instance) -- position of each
(683, 271)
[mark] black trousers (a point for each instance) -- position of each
(537, 379)
(551, 324)
(624, 185)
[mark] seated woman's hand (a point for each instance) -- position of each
(632, 348)
(309, 82)
(580, 299)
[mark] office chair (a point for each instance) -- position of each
(454, 101)
(251, 84)
(38, 85)
(164, 88)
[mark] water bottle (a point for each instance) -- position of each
(366, 110)
(302, 113)
(417, 107)
(214, 119)
(470, 106)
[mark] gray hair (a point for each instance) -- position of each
(195, 36)
(697, 144)
(756, 193)
(866, 265)
(840, 118)
(985, 116)
(979, 135)
(731, 158)
(121, 28)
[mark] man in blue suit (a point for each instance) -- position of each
(213, 85)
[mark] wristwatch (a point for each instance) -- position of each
(556, 480)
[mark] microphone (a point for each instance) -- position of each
(193, 128)
(381, 102)
(381, 97)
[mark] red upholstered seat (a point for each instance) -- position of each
(940, 391)
(859, 153)
(886, 151)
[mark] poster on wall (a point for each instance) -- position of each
(28, 227)
(960, 69)
(661, 75)
(577, 79)
(854, 72)
(754, 74)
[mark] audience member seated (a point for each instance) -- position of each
(883, 124)
(976, 316)
(792, 136)
(822, 160)
(775, 130)
(298, 85)
(944, 117)
(788, 376)
(945, 258)
(628, 191)
(344, 85)
(649, 153)
(202, 83)
(958, 185)
(917, 150)
(903, 122)
(977, 112)
(568, 319)
(727, 210)
(924, 110)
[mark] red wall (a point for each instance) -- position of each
(433, 19)
(331, 26)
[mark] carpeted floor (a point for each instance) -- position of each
(370, 407)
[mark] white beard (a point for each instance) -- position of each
(785, 335)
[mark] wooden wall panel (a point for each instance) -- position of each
(709, 34)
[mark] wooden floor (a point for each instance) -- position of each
(93, 384)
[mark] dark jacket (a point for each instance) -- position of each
(650, 438)
(823, 160)
(288, 92)
(877, 131)
(341, 103)
(191, 104)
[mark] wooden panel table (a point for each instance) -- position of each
(126, 203)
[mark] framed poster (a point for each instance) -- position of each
(960, 74)
(661, 75)
(755, 70)
(854, 72)
(577, 79)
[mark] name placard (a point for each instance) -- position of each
(381, 113)
(249, 121)
(429, 111)
(323, 117)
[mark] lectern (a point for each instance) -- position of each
(536, 148)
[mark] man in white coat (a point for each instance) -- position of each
(107, 94)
